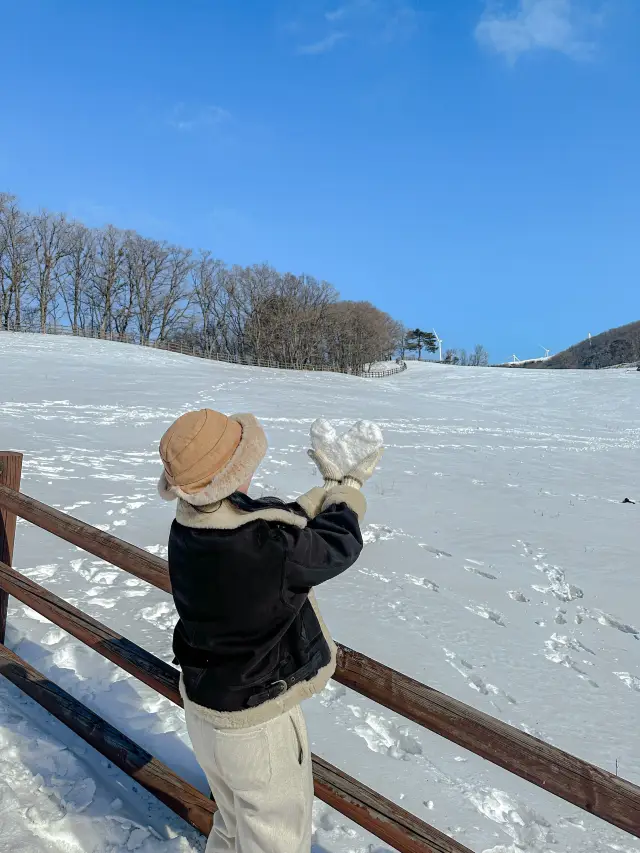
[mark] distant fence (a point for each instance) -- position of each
(200, 352)
(400, 368)
(597, 791)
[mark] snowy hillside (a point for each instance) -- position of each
(500, 567)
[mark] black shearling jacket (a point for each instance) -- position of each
(242, 573)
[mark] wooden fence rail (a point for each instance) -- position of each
(615, 800)
(10, 472)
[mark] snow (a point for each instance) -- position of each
(500, 567)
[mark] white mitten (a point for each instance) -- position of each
(361, 472)
(330, 472)
(341, 455)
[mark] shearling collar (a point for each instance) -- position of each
(224, 515)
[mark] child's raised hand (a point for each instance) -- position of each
(353, 455)
(330, 472)
(361, 472)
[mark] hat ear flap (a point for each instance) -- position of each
(166, 492)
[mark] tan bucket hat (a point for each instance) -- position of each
(207, 455)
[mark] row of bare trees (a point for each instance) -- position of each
(55, 271)
(478, 357)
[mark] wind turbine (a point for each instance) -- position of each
(546, 351)
(516, 360)
(439, 342)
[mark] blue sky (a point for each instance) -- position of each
(468, 165)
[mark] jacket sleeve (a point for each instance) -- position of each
(326, 547)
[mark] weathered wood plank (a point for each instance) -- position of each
(122, 554)
(373, 811)
(609, 797)
(10, 473)
(185, 800)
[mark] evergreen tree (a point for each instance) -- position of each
(417, 340)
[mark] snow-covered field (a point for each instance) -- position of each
(500, 567)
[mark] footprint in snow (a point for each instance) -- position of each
(474, 681)
(332, 693)
(372, 574)
(487, 613)
(427, 584)
(386, 737)
(161, 615)
(379, 532)
(528, 829)
(632, 681)
(475, 571)
(106, 578)
(606, 619)
(42, 573)
(435, 551)
(161, 551)
(558, 585)
(516, 595)
(556, 652)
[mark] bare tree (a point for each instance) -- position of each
(255, 303)
(396, 333)
(156, 276)
(358, 334)
(6, 293)
(286, 318)
(108, 278)
(479, 357)
(174, 298)
(15, 257)
(210, 296)
(49, 235)
(74, 274)
(402, 342)
(145, 262)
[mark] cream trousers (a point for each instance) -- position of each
(262, 782)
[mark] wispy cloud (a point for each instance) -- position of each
(564, 26)
(368, 21)
(189, 120)
(336, 14)
(323, 45)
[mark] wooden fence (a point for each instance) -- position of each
(598, 792)
(199, 352)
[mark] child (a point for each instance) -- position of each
(250, 641)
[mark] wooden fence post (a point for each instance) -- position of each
(10, 472)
